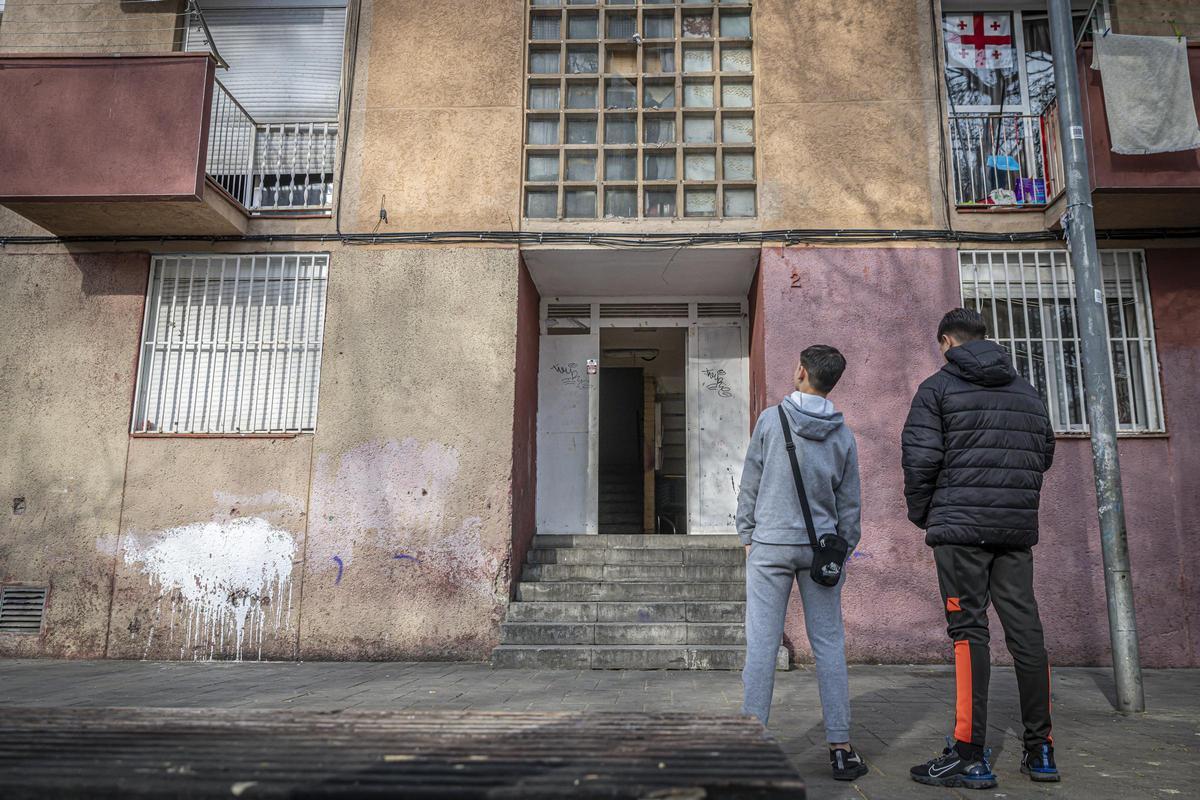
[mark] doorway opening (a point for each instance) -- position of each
(643, 431)
(643, 415)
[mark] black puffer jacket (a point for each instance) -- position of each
(976, 443)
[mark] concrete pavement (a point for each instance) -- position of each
(901, 713)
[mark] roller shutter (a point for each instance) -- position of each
(285, 60)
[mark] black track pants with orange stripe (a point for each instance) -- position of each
(969, 578)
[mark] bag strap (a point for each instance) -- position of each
(791, 450)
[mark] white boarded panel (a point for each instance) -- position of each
(566, 395)
(719, 407)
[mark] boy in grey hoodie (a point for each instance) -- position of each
(770, 524)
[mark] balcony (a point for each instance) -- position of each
(1005, 161)
(276, 167)
(101, 145)
(1137, 191)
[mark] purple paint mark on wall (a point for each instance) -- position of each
(341, 567)
(406, 557)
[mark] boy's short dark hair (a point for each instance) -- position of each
(963, 324)
(825, 366)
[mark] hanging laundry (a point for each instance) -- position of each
(1147, 93)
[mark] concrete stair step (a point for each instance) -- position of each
(620, 518)
(627, 591)
(690, 611)
(634, 572)
(624, 503)
(583, 656)
(623, 633)
(636, 555)
(637, 540)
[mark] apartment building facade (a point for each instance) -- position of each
(319, 317)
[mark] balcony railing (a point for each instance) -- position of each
(278, 166)
(1006, 160)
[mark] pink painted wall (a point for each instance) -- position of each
(128, 128)
(880, 307)
(524, 458)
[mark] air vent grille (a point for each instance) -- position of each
(620, 310)
(718, 310)
(21, 609)
(568, 310)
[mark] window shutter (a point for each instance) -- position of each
(232, 344)
(285, 64)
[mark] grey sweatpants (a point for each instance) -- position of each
(771, 569)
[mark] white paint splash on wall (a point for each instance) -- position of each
(227, 579)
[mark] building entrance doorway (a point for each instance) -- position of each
(643, 444)
(643, 415)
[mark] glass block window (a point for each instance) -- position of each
(1027, 299)
(639, 109)
(231, 344)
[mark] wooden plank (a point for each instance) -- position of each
(211, 753)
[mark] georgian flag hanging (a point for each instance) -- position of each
(979, 41)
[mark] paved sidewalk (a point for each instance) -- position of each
(901, 713)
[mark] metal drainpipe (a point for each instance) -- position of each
(1097, 374)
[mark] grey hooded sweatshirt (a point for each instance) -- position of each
(768, 509)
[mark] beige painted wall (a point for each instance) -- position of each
(847, 112)
(211, 539)
(435, 135)
(1153, 17)
(69, 328)
(105, 26)
(229, 547)
(413, 456)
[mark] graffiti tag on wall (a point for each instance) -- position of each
(717, 382)
(571, 376)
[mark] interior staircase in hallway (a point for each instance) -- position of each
(629, 602)
(620, 504)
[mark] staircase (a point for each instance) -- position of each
(629, 602)
(620, 507)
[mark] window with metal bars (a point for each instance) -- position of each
(231, 344)
(1027, 299)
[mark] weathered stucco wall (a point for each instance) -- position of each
(212, 538)
(847, 117)
(410, 526)
(105, 26)
(436, 134)
(69, 328)
(387, 534)
(892, 608)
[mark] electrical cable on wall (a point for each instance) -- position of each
(790, 236)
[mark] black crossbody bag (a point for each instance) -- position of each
(830, 550)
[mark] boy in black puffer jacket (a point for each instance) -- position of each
(975, 446)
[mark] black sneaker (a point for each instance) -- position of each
(951, 769)
(1039, 765)
(847, 765)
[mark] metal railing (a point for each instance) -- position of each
(1005, 159)
(277, 166)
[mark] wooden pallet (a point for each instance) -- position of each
(223, 753)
